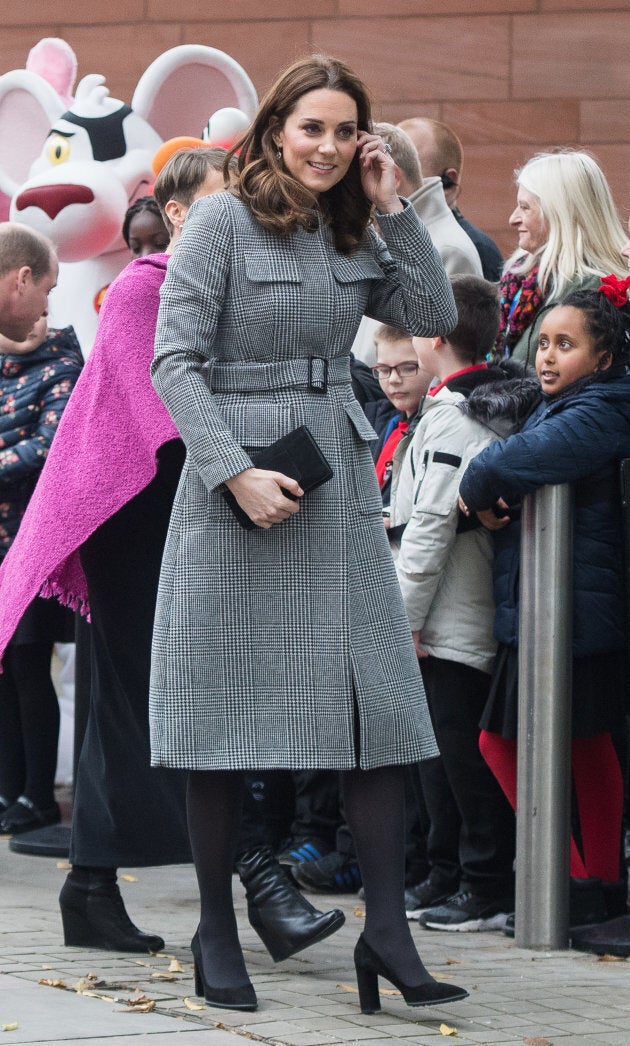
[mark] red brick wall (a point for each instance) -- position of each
(511, 76)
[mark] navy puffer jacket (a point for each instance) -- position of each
(577, 438)
(34, 390)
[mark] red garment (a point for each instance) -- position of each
(386, 457)
(457, 374)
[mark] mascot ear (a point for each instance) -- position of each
(28, 108)
(178, 89)
(55, 61)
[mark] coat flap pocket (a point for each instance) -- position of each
(254, 424)
(359, 420)
(271, 268)
(352, 269)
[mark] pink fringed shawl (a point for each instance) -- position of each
(103, 454)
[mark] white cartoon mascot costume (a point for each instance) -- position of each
(72, 171)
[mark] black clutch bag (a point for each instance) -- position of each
(296, 455)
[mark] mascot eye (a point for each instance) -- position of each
(58, 150)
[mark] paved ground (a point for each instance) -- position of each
(516, 996)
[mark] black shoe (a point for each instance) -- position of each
(590, 901)
(467, 912)
(24, 816)
(608, 938)
(426, 895)
(242, 997)
(283, 919)
(334, 873)
(5, 804)
(370, 967)
(301, 851)
(94, 916)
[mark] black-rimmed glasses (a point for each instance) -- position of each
(403, 370)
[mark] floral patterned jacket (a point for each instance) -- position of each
(34, 390)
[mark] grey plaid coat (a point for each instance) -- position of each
(286, 647)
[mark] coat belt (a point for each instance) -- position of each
(313, 373)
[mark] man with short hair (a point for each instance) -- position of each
(28, 272)
(442, 156)
(426, 196)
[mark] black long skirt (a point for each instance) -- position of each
(125, 811)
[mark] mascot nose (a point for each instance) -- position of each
(53, 198)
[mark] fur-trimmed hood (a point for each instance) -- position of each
(506, 398)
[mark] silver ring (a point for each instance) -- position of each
(387, 147)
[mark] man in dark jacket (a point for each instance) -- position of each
(441, 154)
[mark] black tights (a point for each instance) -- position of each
(374, 808)
(29, 724)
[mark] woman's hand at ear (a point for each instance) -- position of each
(378, 173)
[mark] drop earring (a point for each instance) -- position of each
(279, 152)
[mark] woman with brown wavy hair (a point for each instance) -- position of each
(286, 645)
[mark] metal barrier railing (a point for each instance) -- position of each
(544, 715)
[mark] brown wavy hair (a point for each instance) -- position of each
(277, 200)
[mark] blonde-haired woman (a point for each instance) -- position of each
(569, 234)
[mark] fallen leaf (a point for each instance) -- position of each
(538, 1042)
(97, 995)
(451, 962)
(158, 975)
(82, 985)
(348, 988)
(139, 1003)
(53, 984)
(359, 913)
(175, 966)
(611, 958)
(10, 1027)
(146, 1007)
(46, 966)
(64, 866)
(445, 1029)
(129, 878)
(191, 1005)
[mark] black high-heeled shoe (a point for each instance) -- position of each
(370, 967)
(242, 997)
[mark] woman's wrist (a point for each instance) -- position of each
(393, 205)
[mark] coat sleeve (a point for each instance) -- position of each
(439, 461)
(192, 299)
(415, 291)
(27, 456)
(559, 448)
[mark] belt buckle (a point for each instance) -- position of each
(322, 383)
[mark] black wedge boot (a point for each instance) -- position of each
(283, 919)
(94, 916)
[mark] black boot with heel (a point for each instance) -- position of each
(370, 967)
(94, 915)
(242, 997)
(283, 919)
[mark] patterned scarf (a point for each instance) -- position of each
(521, 300)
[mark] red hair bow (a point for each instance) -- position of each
(615, 289)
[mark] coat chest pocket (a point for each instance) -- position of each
(270, 287)
(354, 276)
(355, 268)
